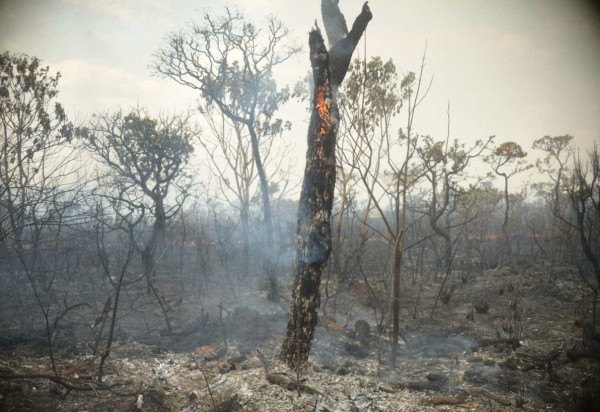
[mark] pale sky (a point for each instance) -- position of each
(518, 69)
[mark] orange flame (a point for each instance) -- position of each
(323, 110)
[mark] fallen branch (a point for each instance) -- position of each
(386, 389)
(511, 342)
(290, 384)
(578, 353)
(493, 396)
(464, 395)
(281, 379)
(434, 382)
(212, 399)
(87, 361)
(420, 385)
(71, 384)
(448, 399)
(79, 384)
(65, 312)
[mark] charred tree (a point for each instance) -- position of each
(316, 199)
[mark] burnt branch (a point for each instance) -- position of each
(334, 21)
(340, 53)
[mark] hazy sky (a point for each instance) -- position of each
(519, 69)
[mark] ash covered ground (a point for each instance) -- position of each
(508, 338)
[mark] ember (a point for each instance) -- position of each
(323, 109)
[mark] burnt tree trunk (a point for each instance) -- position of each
(316, 199)
(269, 229)
(398, 254)
(506, 216)
(156, 237)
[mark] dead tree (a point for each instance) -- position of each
(445, 166)
(507, 160)
(144, 162)
(316, 199)
(230, 61)
(581, 221)
(231, 161)
(118, 281)
(372, 98)
(146, 159)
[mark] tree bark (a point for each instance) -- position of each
(264, 186)
(269, 248)
(245, 220)
(156, 236)
(337, 241)
(395, 298)
(505, 221)
(316, 199)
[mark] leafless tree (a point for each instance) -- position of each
(583, 191)
(575, 203)
(145, 162)
(558, 152)
(119, 218)
(482, 202)
(230, 158)
(507, 160)
(230, 61)
(444, 165)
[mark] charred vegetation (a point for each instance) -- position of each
(162, 261)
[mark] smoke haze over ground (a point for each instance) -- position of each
(151, 252)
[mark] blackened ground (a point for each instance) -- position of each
(512, 357)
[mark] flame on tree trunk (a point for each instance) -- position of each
(323, 110)
(314, 210)
(316, 199)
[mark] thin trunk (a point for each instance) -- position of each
(181, 254)
(505, 222)
(149, 255)
(264, 185)
(395, 301)
(443, 233)
(595, 309)
(337, 241)
(245, 236)
(149, 250)
(447, 251)
(269, 251)
(113, 320)
(397, 262)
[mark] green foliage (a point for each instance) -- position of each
(558, 149)
(33, 126)
(230, 61)
(553, 145)
(141, 152)
(29, 114)
(371, 92)
(508, 159)
(509, 151)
